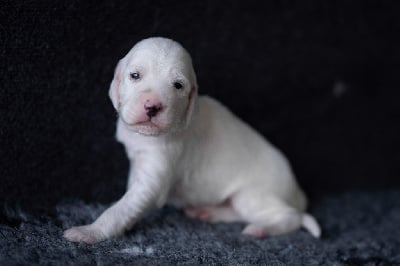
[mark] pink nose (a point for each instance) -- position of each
(152, 108)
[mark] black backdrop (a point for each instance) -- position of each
(319, 79)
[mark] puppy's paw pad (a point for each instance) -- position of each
(201, 213)
(254, 230)
(88, 234)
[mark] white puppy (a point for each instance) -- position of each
(192, 152)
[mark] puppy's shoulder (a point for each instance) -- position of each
(213, 115)
(210, 104)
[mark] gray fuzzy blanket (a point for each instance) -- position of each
(359, 228)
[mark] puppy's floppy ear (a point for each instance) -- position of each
(191, 103)
(113, 92)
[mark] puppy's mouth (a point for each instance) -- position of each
(147, 123)
(149, 127)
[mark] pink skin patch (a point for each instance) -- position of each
(205, 213)
(254, 230)
(201, 213)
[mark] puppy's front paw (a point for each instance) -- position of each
(87, 233)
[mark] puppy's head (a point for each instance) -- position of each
(154, 87)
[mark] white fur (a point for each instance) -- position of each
(194, 154)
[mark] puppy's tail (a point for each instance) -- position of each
(311, 225)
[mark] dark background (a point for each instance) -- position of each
(319, 79)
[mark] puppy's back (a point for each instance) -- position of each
(240, 156)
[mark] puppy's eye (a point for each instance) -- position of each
(135, 75)
(178, 85)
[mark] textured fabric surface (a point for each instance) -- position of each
(359, 228)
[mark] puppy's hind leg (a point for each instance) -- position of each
(273, 222)
(268, 215)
